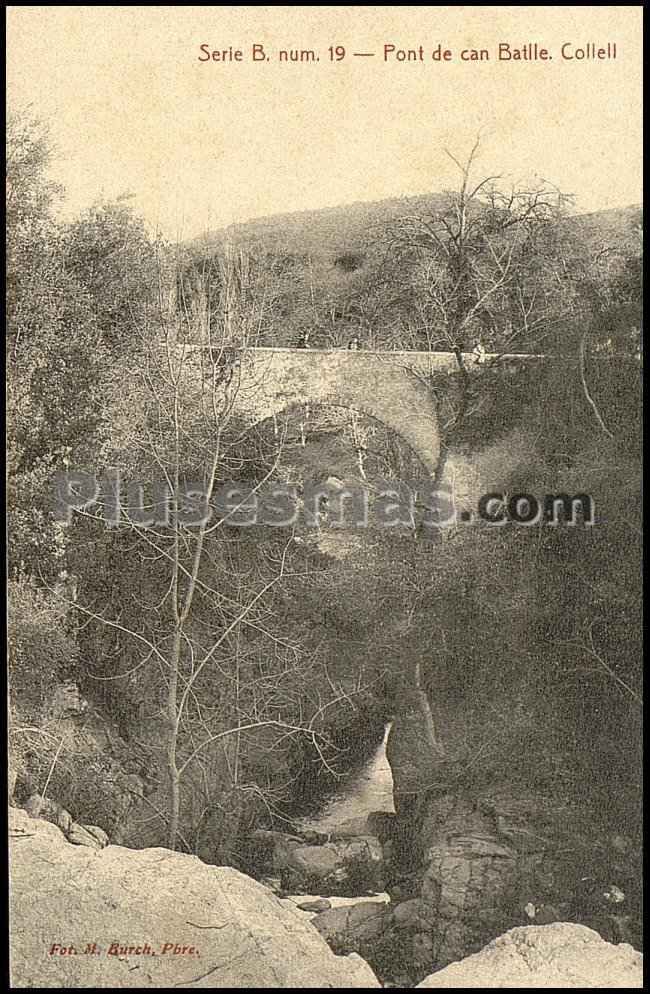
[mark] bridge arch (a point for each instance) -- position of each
(271, 381)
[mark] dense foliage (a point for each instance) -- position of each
(229, 662)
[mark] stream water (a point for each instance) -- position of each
(370, 789)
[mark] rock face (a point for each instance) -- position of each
(121, 772)
(556, 956)
(115, 917)
(413, 759)
(351, 929)
(467, 874)
(510, 860)
(411, 915)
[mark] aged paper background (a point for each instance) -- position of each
(204, 143)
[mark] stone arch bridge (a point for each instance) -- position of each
(393, 387)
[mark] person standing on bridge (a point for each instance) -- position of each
(479, 353)
(354, 344)
(303, 341)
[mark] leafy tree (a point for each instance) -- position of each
(53, 352)
(112, 257)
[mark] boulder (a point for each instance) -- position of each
(89, 918)
(361, 847)
(314, 861)
(351, 929)
(556, 956)
(336, 901)
(281, 856)
(79, 835)
(317, 905)
(98, 834)
(354, 864)
(271, 850)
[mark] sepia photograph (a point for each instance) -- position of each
(324, 496)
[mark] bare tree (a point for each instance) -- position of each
(222, 679)
(477, 266)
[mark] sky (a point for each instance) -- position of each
(199, 144)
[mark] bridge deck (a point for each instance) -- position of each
(411, 356)
(391, 353)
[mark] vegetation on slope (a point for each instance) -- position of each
(218, 665)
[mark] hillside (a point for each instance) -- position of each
(332, 231)
(382, 271)
(327, 231)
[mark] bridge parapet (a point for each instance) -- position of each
(393, 387)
